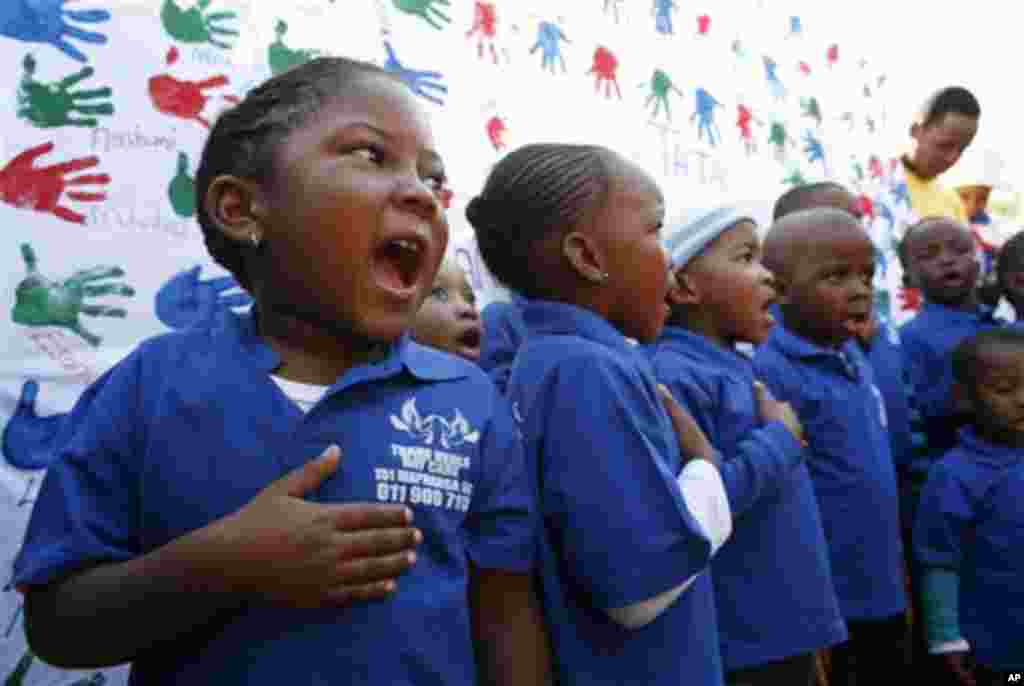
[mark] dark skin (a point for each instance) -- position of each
(360, 174)
(939, 145)
(824, 264)
(996, 398)
(941, 262)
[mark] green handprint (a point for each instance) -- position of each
(661, 85)
(425, 10)
(47, 105)
(42, 302)
(283, 58)
(17, 675)
(796, 178)
(192, 26)
(182, 189)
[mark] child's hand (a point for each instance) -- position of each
(283, 549)
(692, 441)
(774, 411)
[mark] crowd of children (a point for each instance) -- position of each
(364, 480)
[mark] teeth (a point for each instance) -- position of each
(406, 244)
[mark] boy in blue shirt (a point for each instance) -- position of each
(184, 526)
(1010, 274)
(970, 522)
(823, 262)
(773, 587)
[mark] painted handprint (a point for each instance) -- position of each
(663, 16)
(40, 301)
(422, 83)
(796, 26)
(810, 107)
(604, 69)
(46, 21)
(804, 68)
(703, 24)
(184, 99)
(549, 39)
(795, 178)
(744, 118)
(775, 85)
(40, 188)
(425, 10)
(28, 438)
(181, 191)
(195, 25)
(485, 23)
(832, 55)
(875, 167)
(496, 132)
(17, 675)
(185, 300)
(661, 87)
(705, 116)
(47, 105)
(910, 299)
(778, 138)
(282, 58)
(900, 193)
(814, 150)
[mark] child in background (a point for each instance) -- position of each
(504, 331)
(185, 526)
(971, 519)
(632, 503)
(448, 319)
(823, 262)
(1010, 274)
(773, 588)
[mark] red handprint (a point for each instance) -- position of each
(496, 131)
(832, 54)
(743, 121)
(40, 188)
(485, 22)
(910, 299)
(894, 163)
(604, 67)
(805, 68)
(867, 207)
(875, 167)
(703, 24)
(183, 99)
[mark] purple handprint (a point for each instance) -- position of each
(419, 82)
(186, 300)
(46, 21)
(28, 439)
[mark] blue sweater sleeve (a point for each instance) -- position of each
(940, 591)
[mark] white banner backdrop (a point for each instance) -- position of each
(108, 104)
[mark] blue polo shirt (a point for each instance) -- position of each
(773, 587)
(504, 331)
(971, 520)
(191, 426)
(928, 341)
(616, 528)
(843, 414)
(886, 358)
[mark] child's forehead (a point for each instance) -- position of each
(998, 357)
(940, 229)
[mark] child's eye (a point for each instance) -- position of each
(440, 293)
(747, 256)
(370, 153)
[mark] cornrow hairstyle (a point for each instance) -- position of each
(966, 354)
(1010, 259)
(799, 197)
(244, 140)
(951, 100)
(531, 193)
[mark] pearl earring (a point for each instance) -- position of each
(254, 238)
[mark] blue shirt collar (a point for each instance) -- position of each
(980, 314)
(677, 336)
(800, 347)
(404, 354)
(993, 453)
(555, 318)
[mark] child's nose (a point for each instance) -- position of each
(415, 196)
(466, 310)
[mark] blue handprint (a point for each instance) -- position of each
(45, 21)
(186, 300)
(549, 37)
(900, 193)
(774, 84)
(663, 16)
(796, 26)
(705, 116)
(419, 82)
(28, 439)
(814, 150)
(885, 213)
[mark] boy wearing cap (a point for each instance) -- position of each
(773, 589)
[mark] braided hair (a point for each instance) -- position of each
(535, 192)
(244, 140)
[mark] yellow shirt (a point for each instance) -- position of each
(929, 198)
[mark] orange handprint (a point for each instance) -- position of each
(40, 188)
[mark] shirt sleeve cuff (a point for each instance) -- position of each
(704, 493)
(958, 646)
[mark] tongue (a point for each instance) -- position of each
(387, 271)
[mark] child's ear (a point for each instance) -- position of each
(585, 257)
(236, 207)
(683, 289)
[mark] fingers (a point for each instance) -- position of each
(372, 570)
(360, 516)
(309, 476)
(345, 595)
(353, 545)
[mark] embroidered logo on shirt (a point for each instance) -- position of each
(448, 434)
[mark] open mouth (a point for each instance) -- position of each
(398, 264)
(953, 279)
(469, 341)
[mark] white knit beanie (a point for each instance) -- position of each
(690, 232)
